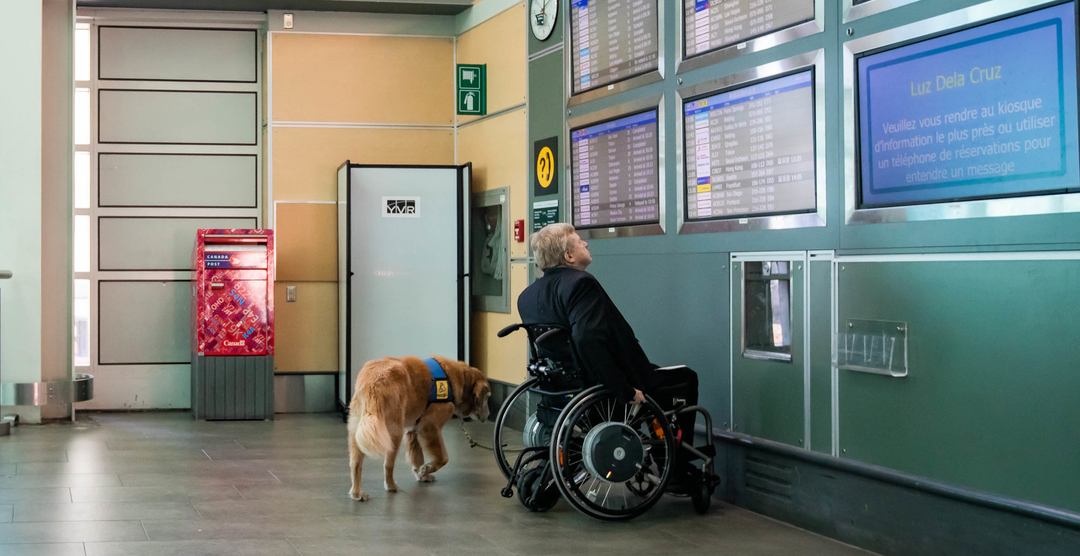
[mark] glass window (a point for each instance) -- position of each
(82, 243)
(82, 53)
(81, 333)
(82, 116)
(767, 311)
(82, 179)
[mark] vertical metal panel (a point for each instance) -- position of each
(422, 261)
(155, 53)
(260, 401)
(768, 396)
(989, 401)
(267, 373)
(230, 386)
(144, 322)
(820, 307)
(178, 180)
(177, 117)
(219, 392)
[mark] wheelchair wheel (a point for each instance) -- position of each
(510, 424)
(533, 493)
(611, 461)
(702, 497)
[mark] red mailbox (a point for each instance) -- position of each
(233, 324)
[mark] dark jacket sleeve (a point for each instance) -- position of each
(593, 335)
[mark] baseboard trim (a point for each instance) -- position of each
(1048, 514)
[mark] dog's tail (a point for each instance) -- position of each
(372, 436)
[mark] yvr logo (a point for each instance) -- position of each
(401, 207)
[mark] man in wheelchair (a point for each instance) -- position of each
(573, 299)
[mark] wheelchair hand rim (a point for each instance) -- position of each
(505, 464)
(569, 486)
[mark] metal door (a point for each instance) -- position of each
(405, 264)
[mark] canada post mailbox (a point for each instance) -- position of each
(232, 343)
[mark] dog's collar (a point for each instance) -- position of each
(441, 391)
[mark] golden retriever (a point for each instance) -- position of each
(390, 400)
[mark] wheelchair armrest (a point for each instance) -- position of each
(549, 334)
(508, 330)
(671, 368)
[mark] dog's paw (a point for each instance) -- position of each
(359, 497)
(424, 474)
(390, 487)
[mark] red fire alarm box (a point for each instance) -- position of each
(233, 324)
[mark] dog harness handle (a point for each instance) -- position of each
(441, 391)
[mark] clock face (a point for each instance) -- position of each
(542, 17)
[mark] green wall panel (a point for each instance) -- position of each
(820, 307)
(545, 118)
(990, 401)
(769, 395)
(678, 307)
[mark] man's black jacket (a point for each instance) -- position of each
(605, 342)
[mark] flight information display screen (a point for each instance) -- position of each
(712, 24)
(612, 40)
(989, 111)
(615, 174)
(750, 150)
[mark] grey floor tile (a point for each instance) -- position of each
(84, 531)
(104, 511)
(249, 528)
(7, 469)
(287, 491)
(60, 481)
(337, 442)
(43, 549)
(6, 512)
(193, 548)
(195, 479)
(138, 464)
(46, 495)
(232, 510)
(353, 547)
(154, 494)
(339, 451)
(16, 453)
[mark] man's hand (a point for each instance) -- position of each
(638, 397)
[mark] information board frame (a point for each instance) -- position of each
(652, 76)
(611, 113)
(814, 60)
(944, 24)
(750, 46)
(856, 9)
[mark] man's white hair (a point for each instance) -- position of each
(551, 243)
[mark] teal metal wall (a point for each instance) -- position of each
(989, 402)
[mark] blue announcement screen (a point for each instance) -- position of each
(986, 112)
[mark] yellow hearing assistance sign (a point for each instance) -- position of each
(545, 167)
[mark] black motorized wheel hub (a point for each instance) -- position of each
(613, 452)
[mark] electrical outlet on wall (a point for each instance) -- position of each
(288, 21)
(290, 293)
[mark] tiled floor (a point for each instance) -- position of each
(162, 484)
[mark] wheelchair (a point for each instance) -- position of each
(559, 434)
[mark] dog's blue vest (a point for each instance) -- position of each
(441, 391)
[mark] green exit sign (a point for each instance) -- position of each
(472, 89)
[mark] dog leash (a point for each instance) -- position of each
(472, 443)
